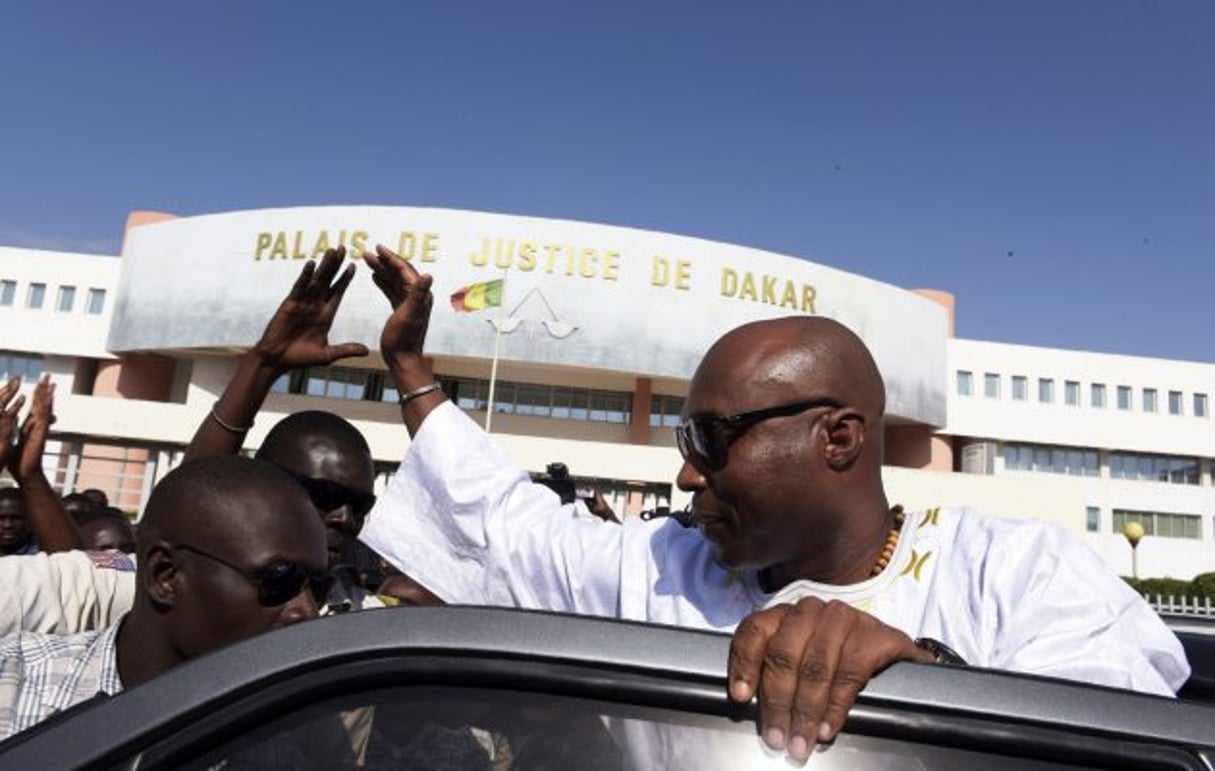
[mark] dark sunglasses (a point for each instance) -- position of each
(277, 583)
(329, 496)
(705, 440)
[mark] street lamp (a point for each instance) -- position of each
(1134, 533)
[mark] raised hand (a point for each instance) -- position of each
(297, 336)
(25, 460)
(409, 294)
(809, 662)
(298, 333)
(8, 417)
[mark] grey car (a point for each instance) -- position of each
(470, 688)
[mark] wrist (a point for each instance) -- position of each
(409, 372)
(35, 478)
(261, 361)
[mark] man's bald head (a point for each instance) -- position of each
(295, 433)
(807, 356)
(217, 500)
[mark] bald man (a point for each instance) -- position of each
(782, 448)
(228, 548)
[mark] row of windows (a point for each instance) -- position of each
(26, 366)
(65, 300)
(510, 398)
(1058, 460)
(1155, 468)
(665, 411)
(1084, 461)
(1160, 524)
(1019, 386)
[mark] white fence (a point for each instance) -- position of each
(1182, 606)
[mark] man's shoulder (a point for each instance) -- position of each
(35, 647)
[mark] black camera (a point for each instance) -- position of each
(556, 477)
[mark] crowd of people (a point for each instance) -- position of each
(791, 551)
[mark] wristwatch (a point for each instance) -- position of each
(944, 654)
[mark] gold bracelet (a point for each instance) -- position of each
(409, 396)
(234, 429)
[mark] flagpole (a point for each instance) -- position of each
(493, 369)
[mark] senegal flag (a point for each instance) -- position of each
(476, 297)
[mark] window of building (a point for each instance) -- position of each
(1124, 397)
(561, 402)
(67, 299)
(1175, 401)
(665, 410)
(1096, 395)
(1092, 519)
(35, 296)
(1149, 400)
(965, 383)
(1020, 388)
(26, 366)
(95, 302)
(1046, 390)
(1071, 393)
(1200, 405)
(1160, 524)
(8, 291)
(1155, 468)
(1052, 459)
(991, 385)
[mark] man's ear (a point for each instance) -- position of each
(845, 438)
(162, 575)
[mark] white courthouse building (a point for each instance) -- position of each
(598, 335)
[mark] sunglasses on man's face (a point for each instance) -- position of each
(279, 582)
(705, 440)
(329, 496)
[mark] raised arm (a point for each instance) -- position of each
(297, 336)
(404, 333)
(53, 529)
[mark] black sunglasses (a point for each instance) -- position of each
(705, 440)
(277, 583)
(329, 496)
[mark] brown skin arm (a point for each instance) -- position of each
(53, 529)
(808, 662)
(8, 418)
(404, 335)
(297, 336)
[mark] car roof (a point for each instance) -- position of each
(689, 659)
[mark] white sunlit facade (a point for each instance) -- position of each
(600, 330)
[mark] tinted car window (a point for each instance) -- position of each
(465, 728)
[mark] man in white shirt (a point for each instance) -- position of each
(783, 455)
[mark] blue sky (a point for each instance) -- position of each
(1051, 163)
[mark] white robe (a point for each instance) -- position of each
(1026, 596)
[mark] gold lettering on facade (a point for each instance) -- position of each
(423, 246)
(611, 265)
(527, 256)
(279, 250)
(263, 243)
(765, 289)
